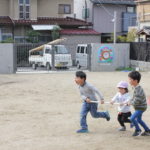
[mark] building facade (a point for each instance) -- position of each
(18, 16)
(143, 12)
(101, 14)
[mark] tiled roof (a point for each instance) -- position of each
(120, 2)
(5, 20)
(142, 1)
(46, 21)
(63, 21)
(79, 32)
(145, 31)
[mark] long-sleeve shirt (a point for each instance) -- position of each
(139, 99)
(122, 99)
(89, 91)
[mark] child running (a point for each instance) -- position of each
(122, 97)
(88, 94)
(139, 103)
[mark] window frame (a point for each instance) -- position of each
(130, 7)
(24, 12)
(64, 5)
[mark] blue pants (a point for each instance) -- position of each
(92, 108)
(136, 119)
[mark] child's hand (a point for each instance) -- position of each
(102, 101)
(111, 103)
(88, 100)
(121, 104)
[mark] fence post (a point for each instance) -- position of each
(53, 58)
(89, 48)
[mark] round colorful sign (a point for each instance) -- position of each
(105, 54)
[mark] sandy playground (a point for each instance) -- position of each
(41, 112)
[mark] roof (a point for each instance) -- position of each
(120, 2)
(142, 1)
(5, 20)
(46, 21)
(145, 31)
(79, 32)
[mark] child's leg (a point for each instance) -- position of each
(83, 114)
(94, 113)
(125, 117)
(120, 120)
(134, 121)
(141, 122)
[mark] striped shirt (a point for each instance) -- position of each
(139, 99)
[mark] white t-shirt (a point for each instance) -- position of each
(122, 98)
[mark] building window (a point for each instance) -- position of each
(6, 36)
(64, 9)
(24, 9)
(130, 9)
(85, 13)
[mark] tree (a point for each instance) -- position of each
(33, 36)
(132, 35)
(55, 33)
(121, 39)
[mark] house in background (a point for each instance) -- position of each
(17, 17)
(101, 14)
(143, 11)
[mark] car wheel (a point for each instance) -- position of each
(48, 67)
(34, 66)
(78, 65)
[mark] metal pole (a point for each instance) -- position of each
(115, 18)
(53, 58)
(138, 24)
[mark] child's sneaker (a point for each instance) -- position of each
(82, 131)
(107, 116)
(146, 133)
(136, 133)
(122, 129)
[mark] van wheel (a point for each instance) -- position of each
(78, 65)
(34, 66)
(48, 67)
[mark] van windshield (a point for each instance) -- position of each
(60, 49)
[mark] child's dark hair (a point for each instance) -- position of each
(126, 89)
(81, 75)
(135, 75)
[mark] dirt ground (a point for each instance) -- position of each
(41, 112)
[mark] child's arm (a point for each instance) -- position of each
(98, 93)
(114, 99)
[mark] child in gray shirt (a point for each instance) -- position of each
(88, 94)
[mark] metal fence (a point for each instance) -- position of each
(23, 63)
(140, 51)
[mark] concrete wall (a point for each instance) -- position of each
(7, 59)
(120, 57)
(141, 65)
(73, 40)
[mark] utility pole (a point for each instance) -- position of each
(86, 10)
(138, 24)
(115, 23)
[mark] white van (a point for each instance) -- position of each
(81, 55)
(43, 57)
